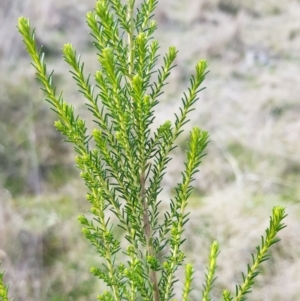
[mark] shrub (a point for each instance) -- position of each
(123, 161)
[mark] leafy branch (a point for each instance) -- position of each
(123, 161)
(262, 255)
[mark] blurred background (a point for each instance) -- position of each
(251, 109)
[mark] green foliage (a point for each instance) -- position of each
(262, 255)
(210, 275)
(123, 161)
(262, 252)
(3, 289)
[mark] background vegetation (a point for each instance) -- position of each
(251, 110)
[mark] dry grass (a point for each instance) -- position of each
(251, 110)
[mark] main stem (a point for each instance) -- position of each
(147, 228)
(146, 218)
